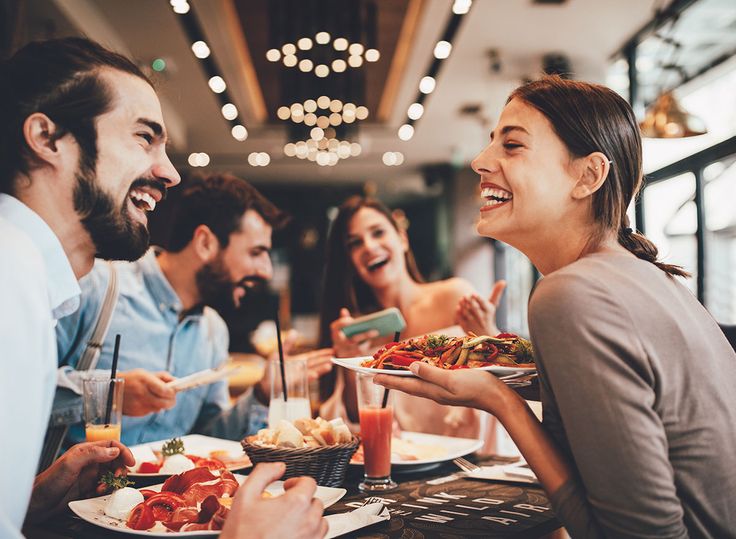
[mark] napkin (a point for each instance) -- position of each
(504, 473)
(354, 520)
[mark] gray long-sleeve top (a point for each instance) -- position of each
(638, 387)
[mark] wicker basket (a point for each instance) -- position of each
(327, 464)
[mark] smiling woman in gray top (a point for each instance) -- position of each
(638, 383)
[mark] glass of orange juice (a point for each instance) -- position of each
(99, 394)
(376, 421)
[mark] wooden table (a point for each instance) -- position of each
(428, 504)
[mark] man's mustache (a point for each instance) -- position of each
(155, 183)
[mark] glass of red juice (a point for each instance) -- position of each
(376, 421)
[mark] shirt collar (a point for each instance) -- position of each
(157, 283)
(63, 288)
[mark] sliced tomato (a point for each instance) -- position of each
(164, 504)
(149, 467)
(211, 464)
(194, 458)
(141, 518)
(401, 361)
(507, 336)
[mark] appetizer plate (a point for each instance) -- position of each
(93, 511)
(429, 449)
(353, 363)
(201, 446)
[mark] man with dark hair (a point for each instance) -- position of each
(82, 159)
(219, 246)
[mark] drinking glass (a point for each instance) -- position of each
(376, 423)
(297, 383)
(96, 397)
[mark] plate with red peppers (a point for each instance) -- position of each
(504, 353)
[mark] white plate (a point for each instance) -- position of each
(454, 448)
(195, 444)
(353, 363)
(93, 510)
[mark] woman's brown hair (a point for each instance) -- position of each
(342, 287)
(592, 118)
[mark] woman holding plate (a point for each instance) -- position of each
(638, 382)
(370, 267)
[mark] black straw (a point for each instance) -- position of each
(397, 336)
(113, 372)
(281, 355)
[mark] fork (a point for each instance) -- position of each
(370, 500)
(466, 465)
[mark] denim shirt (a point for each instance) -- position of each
(155, 335)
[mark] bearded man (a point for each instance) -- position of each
(166, 313)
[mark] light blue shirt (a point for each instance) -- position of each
(37, 287)
(155, 335)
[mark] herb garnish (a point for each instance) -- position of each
(173, 447)
(114, 482)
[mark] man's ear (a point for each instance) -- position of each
(205, 243)
(592, 172)
(42, 135)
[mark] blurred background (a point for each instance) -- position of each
(316, 100)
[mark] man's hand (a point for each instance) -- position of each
(295, 514)
(76, 475)
(146, 392)
(477, 315)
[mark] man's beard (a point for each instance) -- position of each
(114, 232)
(216, 288)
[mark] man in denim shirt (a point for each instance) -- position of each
(219, 246)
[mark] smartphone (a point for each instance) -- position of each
(386, 322)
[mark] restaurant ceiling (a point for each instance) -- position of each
(497, 44)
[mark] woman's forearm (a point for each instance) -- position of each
(537, 447)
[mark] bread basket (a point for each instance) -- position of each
(326, 464)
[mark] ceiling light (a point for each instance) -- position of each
(323, 159)
(361, 113)
(339, 65)
(193, 160)
(305, 65)
(317, 133)
(200, 49)
(372, 55)
(442, 50)
(427, 84)
(239, 132)
(389, 159)
(310, 105)
(323, 38)
(253, 159)
(343, 151)
(356, 49)
(323, 102)
(321, 70)
(415, 111)
(217, 84)
(288, 49)
(284, 113)
(289, 60)
(229, 111)
(323, 122)
(333, 158)
(203, 159)
(349, 107)
(355, 149)
(310, 119)
(335, 105)
(340, 44)
(273, 55)
(335, 118)
(290, 149)
(263, 159)
(297, 108)
(399, 158)
(665, 118)
(461, 7)
(406, 131)
(304, 43)
(355, 61)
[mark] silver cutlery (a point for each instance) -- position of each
(466, 465)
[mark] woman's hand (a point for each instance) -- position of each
(462, 387)
(477, 315)
(357, 345)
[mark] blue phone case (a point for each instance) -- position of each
(386, 322)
